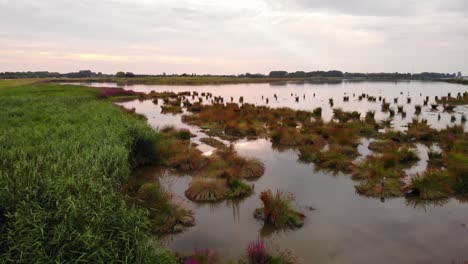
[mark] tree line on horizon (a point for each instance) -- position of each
(272, 74)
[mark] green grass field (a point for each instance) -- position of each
(64, 157)
(16, 82)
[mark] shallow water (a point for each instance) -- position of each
(344, 227)
(252, 93)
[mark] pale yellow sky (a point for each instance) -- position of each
(231, 37)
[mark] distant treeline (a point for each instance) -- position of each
(340, 74)
(272, 74)
(46, 74)
(397, 75)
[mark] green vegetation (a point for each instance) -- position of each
(15, 83)
(258, 253)
(222, 177)
(239, 189)
(181, 80)
(458, 81)
(436, 159)
(420, 130)
(67, 153)
(433, 185)
(65, 156)
(329, 145)
(279, 211)
(316, 75)
(381, 175)
(207, 190)
(438, 183)
(460, 99)
(166, 216)
(212, 142)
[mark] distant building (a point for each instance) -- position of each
(459, 75)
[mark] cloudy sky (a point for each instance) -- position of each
(235, 36)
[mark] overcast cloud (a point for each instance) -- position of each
(230, 37)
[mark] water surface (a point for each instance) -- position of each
(344, 227)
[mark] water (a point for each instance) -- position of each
(253, 93)
(344, 227)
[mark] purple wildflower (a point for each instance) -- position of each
(256, 252)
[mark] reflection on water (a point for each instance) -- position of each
(317, 95)
(344, 227)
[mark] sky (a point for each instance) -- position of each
(233, 37)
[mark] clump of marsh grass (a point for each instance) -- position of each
(223, 176)
(165, 215)
(285, 136)
(257, 253)
(403, 156)
(385, 107)
(457, 164)
(375, 188)
(370, 117)
(381, 175)
(448, 107)
(239, 167)
(106, 93)
(186, 158)
(207, 190)
(433, 185)
(336, 158)
(212, 142)
(181, 134)
(436, 158)
(195, 107)
(417, 109)
(386, 123)
(171, 109)
(381, 146)
(458, 100)
(279, 211)
(400, 108)
(343, 116)
(251, 168)
(420, 130)
(238, 189)
(317, 112)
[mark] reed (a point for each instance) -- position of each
(279, 211)
(65, 157)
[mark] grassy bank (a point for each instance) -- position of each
(458, 81)
(16, 82)
(64, 156)
(195, 80)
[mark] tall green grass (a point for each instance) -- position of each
(64, 156)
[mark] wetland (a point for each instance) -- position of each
(369, 171)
